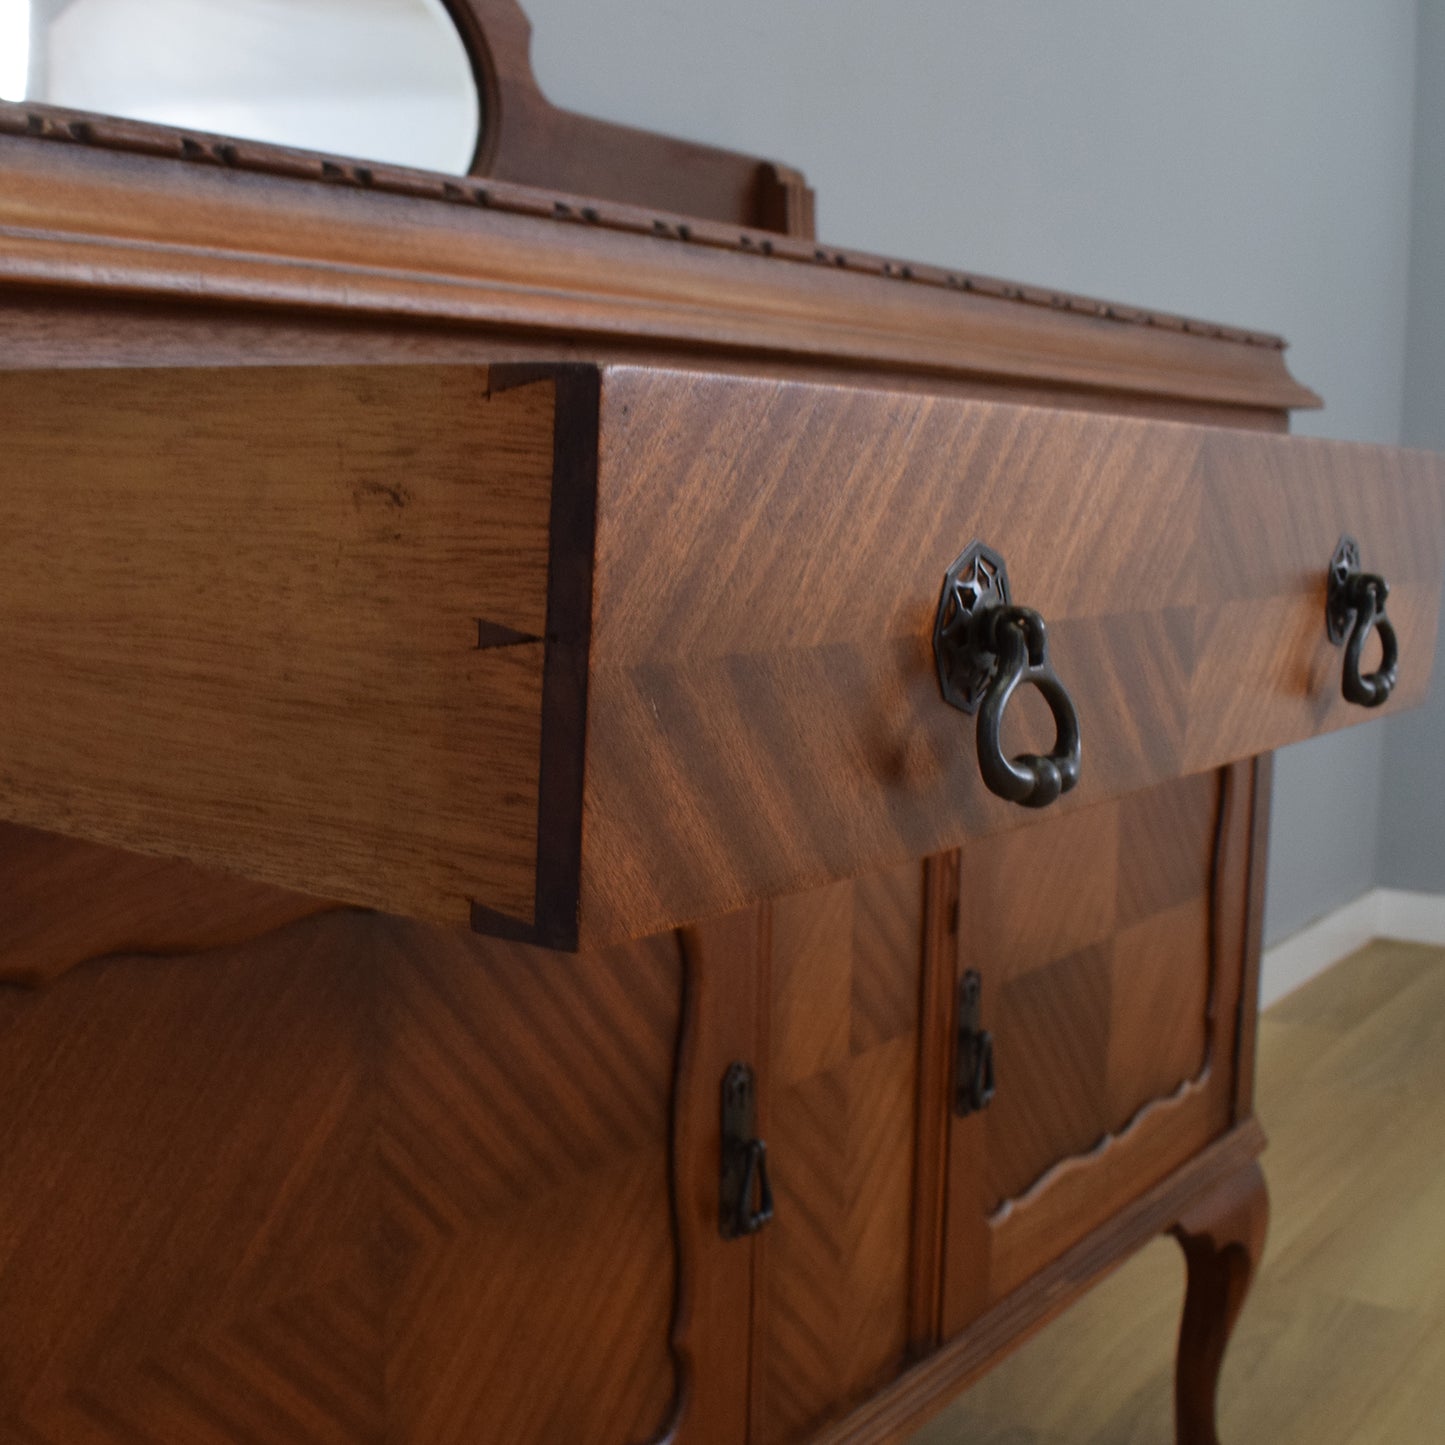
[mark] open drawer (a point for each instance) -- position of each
(579, 653)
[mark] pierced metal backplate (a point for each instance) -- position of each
(1339, 611)
(976, 583)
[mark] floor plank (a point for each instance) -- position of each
(1343, 1339)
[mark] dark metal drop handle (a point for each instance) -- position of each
(750, 1219)
(985, 648)
(1354, 607)
(1020, 642)
(1366, 595)
(974, 1084)
(743, 1174)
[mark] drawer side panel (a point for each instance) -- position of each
(287, 622)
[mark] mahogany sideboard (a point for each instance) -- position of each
(509, 931)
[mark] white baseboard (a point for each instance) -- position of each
(1411, 917)
(1380, 913)
(1315, 947)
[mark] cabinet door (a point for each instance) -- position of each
(1109, 947)
(838, 1096)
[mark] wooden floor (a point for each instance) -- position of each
(1343, 1339)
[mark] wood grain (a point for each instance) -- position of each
(903, 1406)
(88, 223)
(832, 1306)
(365, 1179)
(1114, 1035)
(1247, 1044)
(754, 202)
(287, 623)
(1222, 1236)
(769, 557)
(66, 902)
(46, 330)
(936, 1050)
(525, 138)
(725, 1022)
(362, 1181)
(388, 730)
(1341, 1340)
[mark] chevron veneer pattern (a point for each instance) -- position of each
(768, 562)
(833, 1271)
(362, 1181)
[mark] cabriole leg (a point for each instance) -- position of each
(1222, 1235)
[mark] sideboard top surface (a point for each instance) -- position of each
(98, 208)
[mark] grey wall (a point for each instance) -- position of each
(1247, 160)
(1412, 831)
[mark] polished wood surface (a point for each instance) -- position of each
(360, 1181)
(525, 138)
(769, 560)
(1340, 1342)
(1222, 1236)
(831, 1312)
(1110, 947)
(724, 1022)
(87, 223)
(308, 610)
(115, 331)
(899, 1409)
(937, 1070)
(283, 622)
(66, 902)
(464, 1053)
(404, 728)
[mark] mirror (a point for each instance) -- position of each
(383, 80)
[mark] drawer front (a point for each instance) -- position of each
(1109, 949)
(764, 705)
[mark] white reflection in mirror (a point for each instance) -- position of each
(384, 80)
(14, 48)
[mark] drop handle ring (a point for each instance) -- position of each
(1020, 642)
(986, 648)
(1355, 607)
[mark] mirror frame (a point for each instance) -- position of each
(522, 139)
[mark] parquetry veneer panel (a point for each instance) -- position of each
(1114, 1035)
